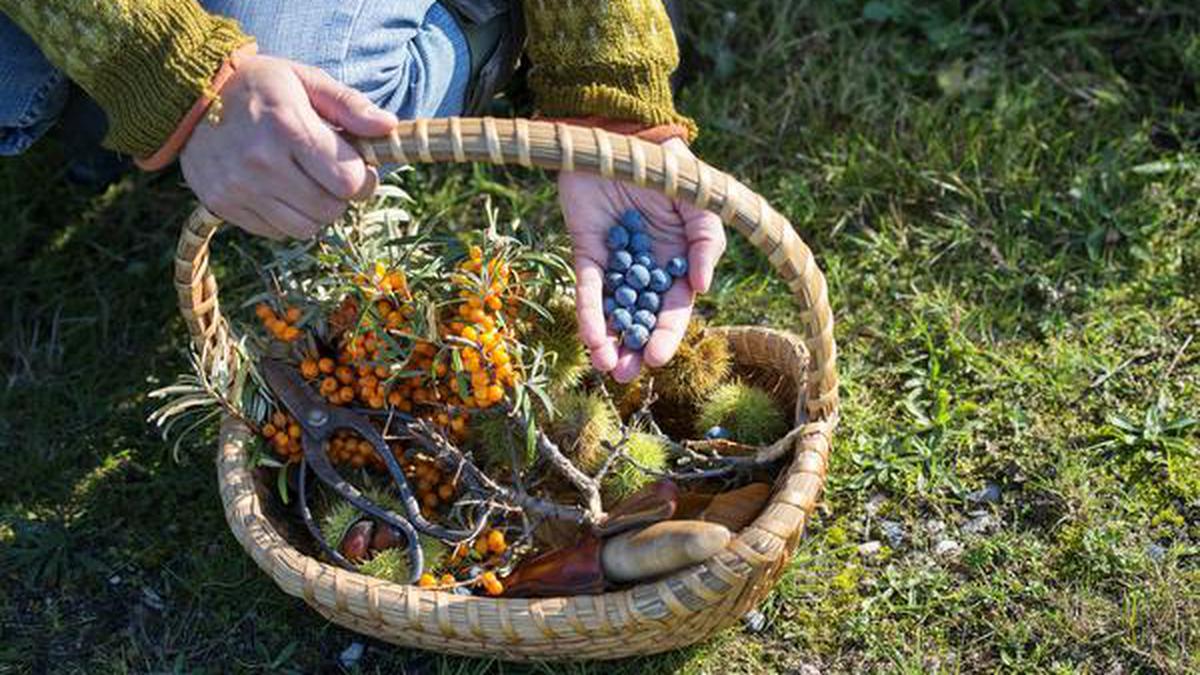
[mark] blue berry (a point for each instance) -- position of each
(610, 305)
(716, 433)
(639, 242)
(677, 267)
(625, 296)
(633, 221)
(637, 277)
(618, 238)
(621, 319)
(648, 300)
(644, 317)
(644, 260)
(636, 337)
(613, 280)
(660, 281)
(620, 261)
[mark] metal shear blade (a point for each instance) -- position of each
(319, 422)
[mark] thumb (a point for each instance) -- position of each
(343, 106)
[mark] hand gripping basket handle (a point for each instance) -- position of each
(557, 146)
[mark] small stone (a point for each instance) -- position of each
(645, 318)
(152, 599)
(649, 300)
(875, 502)
(637, 277)
(660, 281)
(807, 668)
(716, 433)
(947, 548)
(636, 337)
(893, 531)
(988, 494)
(618, 238)
(625, 296)
(1156, 552)
(755, 621)
(620, 261)
(621, 319)
(980, 523)
(613, 280)
(632, 220)
(935, 527)
(870, 548)
(351, 655)
(639, 242)
(115, 580)
(677, 266)
(610, 305)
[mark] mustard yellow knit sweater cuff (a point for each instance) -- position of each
(144, 61)
(610, 58)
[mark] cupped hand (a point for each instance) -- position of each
(275, 164)
(591, 205)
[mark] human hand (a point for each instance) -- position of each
(591, 205)
(274, 165)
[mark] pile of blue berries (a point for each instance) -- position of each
(634, 284)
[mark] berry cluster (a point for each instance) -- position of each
(380, 362)
(634, 283)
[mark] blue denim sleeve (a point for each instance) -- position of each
(407, 56)
(32, 92)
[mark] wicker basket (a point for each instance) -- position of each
(681, 609)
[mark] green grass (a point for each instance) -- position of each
(1006, 201)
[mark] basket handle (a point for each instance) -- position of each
(558, 146)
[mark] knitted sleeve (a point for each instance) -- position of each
(144, 61)
(607, 58)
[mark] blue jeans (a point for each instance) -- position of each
(407, 56)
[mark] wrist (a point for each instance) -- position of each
(654, 133)
(208, 102)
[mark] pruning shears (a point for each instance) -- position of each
(319, 422)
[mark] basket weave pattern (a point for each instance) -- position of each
(678, 610)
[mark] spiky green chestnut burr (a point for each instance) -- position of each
(567, 359)
(645, 451)
(498, 442)
(701, 364)
(584, 421)
(749, 414)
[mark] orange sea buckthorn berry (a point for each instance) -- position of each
(481, 546)
(429, 501)
(427, 580)
(329, 385)
(491, 584)
(445, 492)
(495, 541)
(269, 430)
(325, 365)
(495, 393)
(294, 431)
(279, 419)
(345, 395)
(309, 368)
(290, 333)
(263, 311)
(345, 375)
(448, 580)
(475, 252)
(292, 314)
